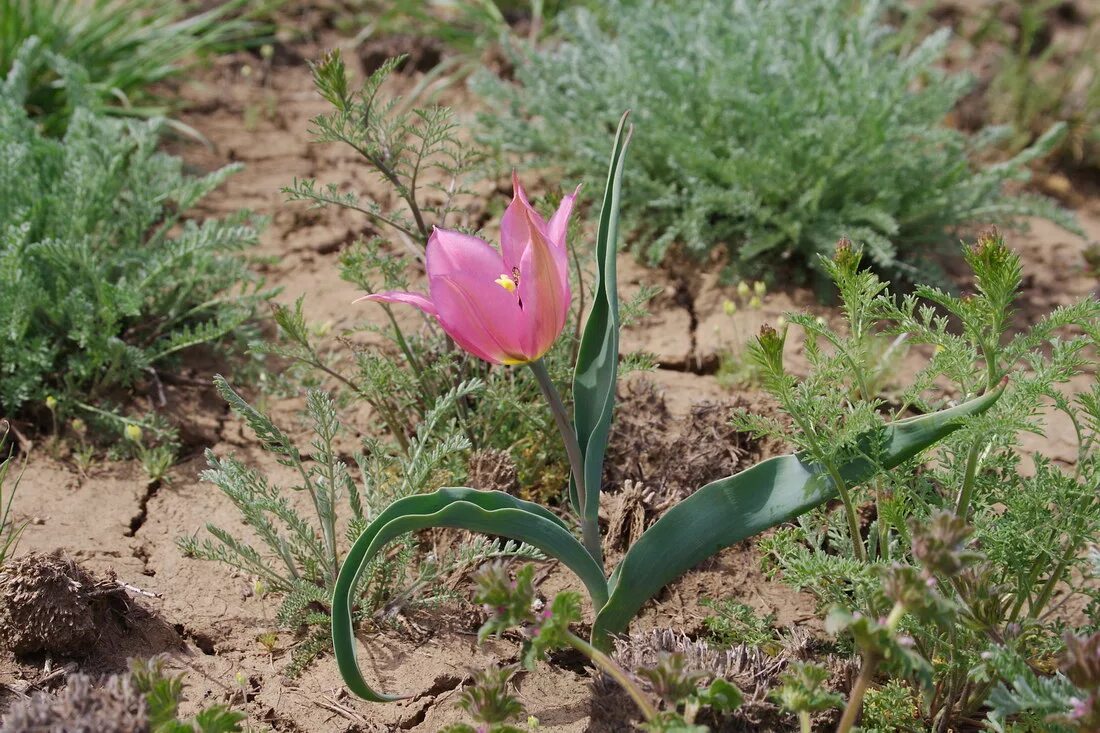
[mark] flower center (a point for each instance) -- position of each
(509, 282)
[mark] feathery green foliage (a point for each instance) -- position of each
(770, 128)
(300, 555)
(120, 48)
(971, 556)
(103, 277)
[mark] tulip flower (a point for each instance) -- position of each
(505, 307)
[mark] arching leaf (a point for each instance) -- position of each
(489, 512)
(732, 509)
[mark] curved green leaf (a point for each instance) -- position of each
(598, 358)
(732, 509)
(489, 512)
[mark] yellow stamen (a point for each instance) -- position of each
(507, 283)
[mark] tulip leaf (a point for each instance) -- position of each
(598, 358)
(738, 507)
(489, 512)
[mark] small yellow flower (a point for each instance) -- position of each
(756, 303)
(51, 402)
(743, 289)
(760, 288)
(820, 321)
(532, 722)
(78, 426)
(729, 307)
(258, 588)
(132, 432)
(938, 349)
(780, 322)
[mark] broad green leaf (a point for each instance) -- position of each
(598, 357)
(490, 512)
(732, 509)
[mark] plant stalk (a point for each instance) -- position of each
(590, 531)
(608, 666)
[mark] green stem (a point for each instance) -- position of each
(855, 699)
(962, 505)
(590, 531)
(1045, 594)
(804, 721)
(608, 666)
(849, 512)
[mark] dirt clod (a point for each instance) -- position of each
(82, 707)
(493, 470)
(674, 456)
(49, 603)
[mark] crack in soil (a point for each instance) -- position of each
(138, 520)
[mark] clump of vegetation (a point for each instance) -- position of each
(770, 129)
(301, 555)
(107, 54)
(954, 589)
(104, 279)
(10, 529)
(1040, 79)
(145, 700)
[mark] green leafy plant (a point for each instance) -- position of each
(717, 515)
(965, 560)
(114, 51)
(300, 556)
(104, 279)
(773, 128)
(734, 622)
(511, 603)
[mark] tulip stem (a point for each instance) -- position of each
(590, 531)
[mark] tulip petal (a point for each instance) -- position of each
(452, 252)
(398, 296)
(544, 292)
(482, 317)
(559, 222)
(515, 227)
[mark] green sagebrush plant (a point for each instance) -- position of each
(968, 558)
(771, 129)
(121, 48)
(716, 516)
(104, 279)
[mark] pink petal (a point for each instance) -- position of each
(482, 317)
(397, 296)
(559, 222)
(515, 234)
(544, 293)
(450, 252)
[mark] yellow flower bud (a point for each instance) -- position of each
(780, 322)
(760, 288)
(51, 402)
(729, 307)
(132, 432)
(756, 303)
(743, 289)
(78, 426)
(820, 321)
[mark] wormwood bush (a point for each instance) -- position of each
(970, 560)
(103, 277)
(770, 128)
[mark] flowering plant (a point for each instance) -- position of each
(508, 308)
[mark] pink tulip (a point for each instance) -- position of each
(504, 307)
